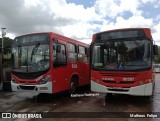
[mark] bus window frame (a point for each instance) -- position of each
(84, 57)
(59, 64)
(69, 52)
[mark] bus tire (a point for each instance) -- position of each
(73, 85)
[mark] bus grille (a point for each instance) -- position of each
(115, 75)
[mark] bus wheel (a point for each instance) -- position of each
(73, 86)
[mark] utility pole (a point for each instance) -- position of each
(2, 51)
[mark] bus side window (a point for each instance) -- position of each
(54, 52)
(59, 55)
(82, 54)
(72, 52)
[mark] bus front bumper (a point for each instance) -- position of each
(39, 88)
(141, 90)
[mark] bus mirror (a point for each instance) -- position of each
(155, 49)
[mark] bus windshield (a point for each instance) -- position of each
(122, 55)
(30, 57)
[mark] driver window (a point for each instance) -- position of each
(59, 55)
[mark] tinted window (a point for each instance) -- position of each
(82, 55)
(120, 34)
(59, 55)
(72, 54)
(32, 38)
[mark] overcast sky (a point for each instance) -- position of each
(78, 19)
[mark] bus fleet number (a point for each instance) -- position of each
(74, 65)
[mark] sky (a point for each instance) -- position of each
(78, 19)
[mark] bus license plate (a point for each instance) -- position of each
(117, 88)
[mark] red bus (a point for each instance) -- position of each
(49, 63)
(122, 61)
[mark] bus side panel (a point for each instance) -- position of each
(59, 78)
(84, 73)
(72, 70)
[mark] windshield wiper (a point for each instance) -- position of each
(35, 49)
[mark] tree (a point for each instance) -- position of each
(7, 43)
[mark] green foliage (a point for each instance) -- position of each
(7, 43)
(7, 56)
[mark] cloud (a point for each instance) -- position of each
(25, 16)
(134, 21)
(156, 33)
(72, 20)
(19, 18)
(157, 5)
(114, 8)
(73, 11)
(80, 31)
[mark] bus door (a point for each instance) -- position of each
(59, 73)
(83, 65)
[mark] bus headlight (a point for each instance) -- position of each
(45, 79)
